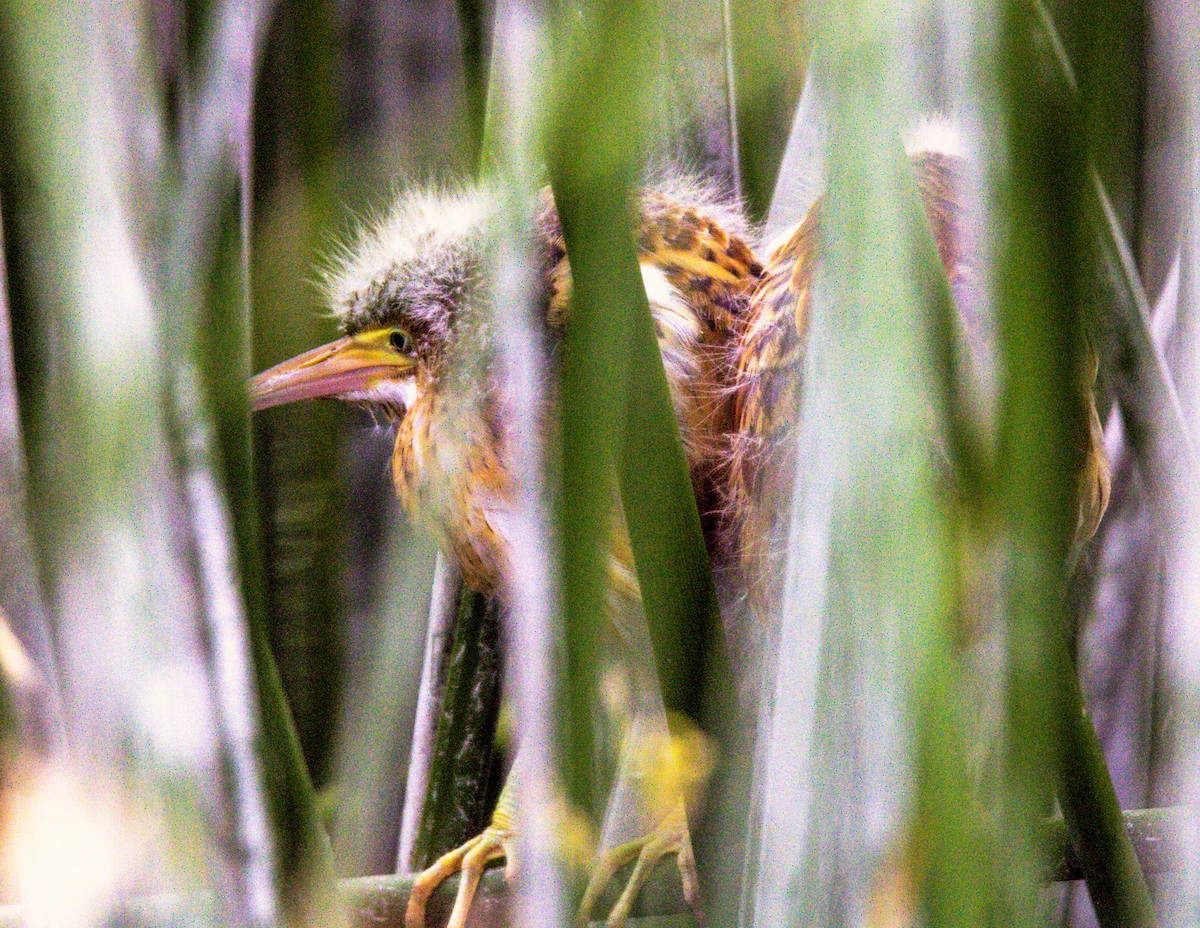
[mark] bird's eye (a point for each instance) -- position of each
(401, 341)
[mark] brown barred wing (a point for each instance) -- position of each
(699, 273)
(940, 181)
(768, 364)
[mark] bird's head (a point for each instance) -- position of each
(401, 291)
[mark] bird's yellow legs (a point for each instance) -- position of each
(471, 859)
(670, 837)
(662, 769)
(498, 840)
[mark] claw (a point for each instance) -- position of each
(471, 859)
(686, 861)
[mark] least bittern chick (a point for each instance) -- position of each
(763, 448)
(413, 300)
(770, 359)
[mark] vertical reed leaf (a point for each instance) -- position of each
(885, 618)
(1043, 286)
(21, 597)
(1039, 301)
(421, 779)
(1182, 681)
(769, 46)
(614, 391)
(460, 706)
(461, 794)
(474, 34)
(592, 169)
(1041, 428)
(134, 384)
(514, 141)
(612, 366)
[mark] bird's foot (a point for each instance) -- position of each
(471, 859)
(670, 837)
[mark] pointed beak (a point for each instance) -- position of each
(354, 364)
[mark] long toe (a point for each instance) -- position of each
(606, 868)
(688, 874)
(429, 880)
(652, 852)
(489, 847)
(670, 837)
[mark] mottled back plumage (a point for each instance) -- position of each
(765, 405)
(769, 366)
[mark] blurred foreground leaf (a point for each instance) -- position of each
(1043, 285)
